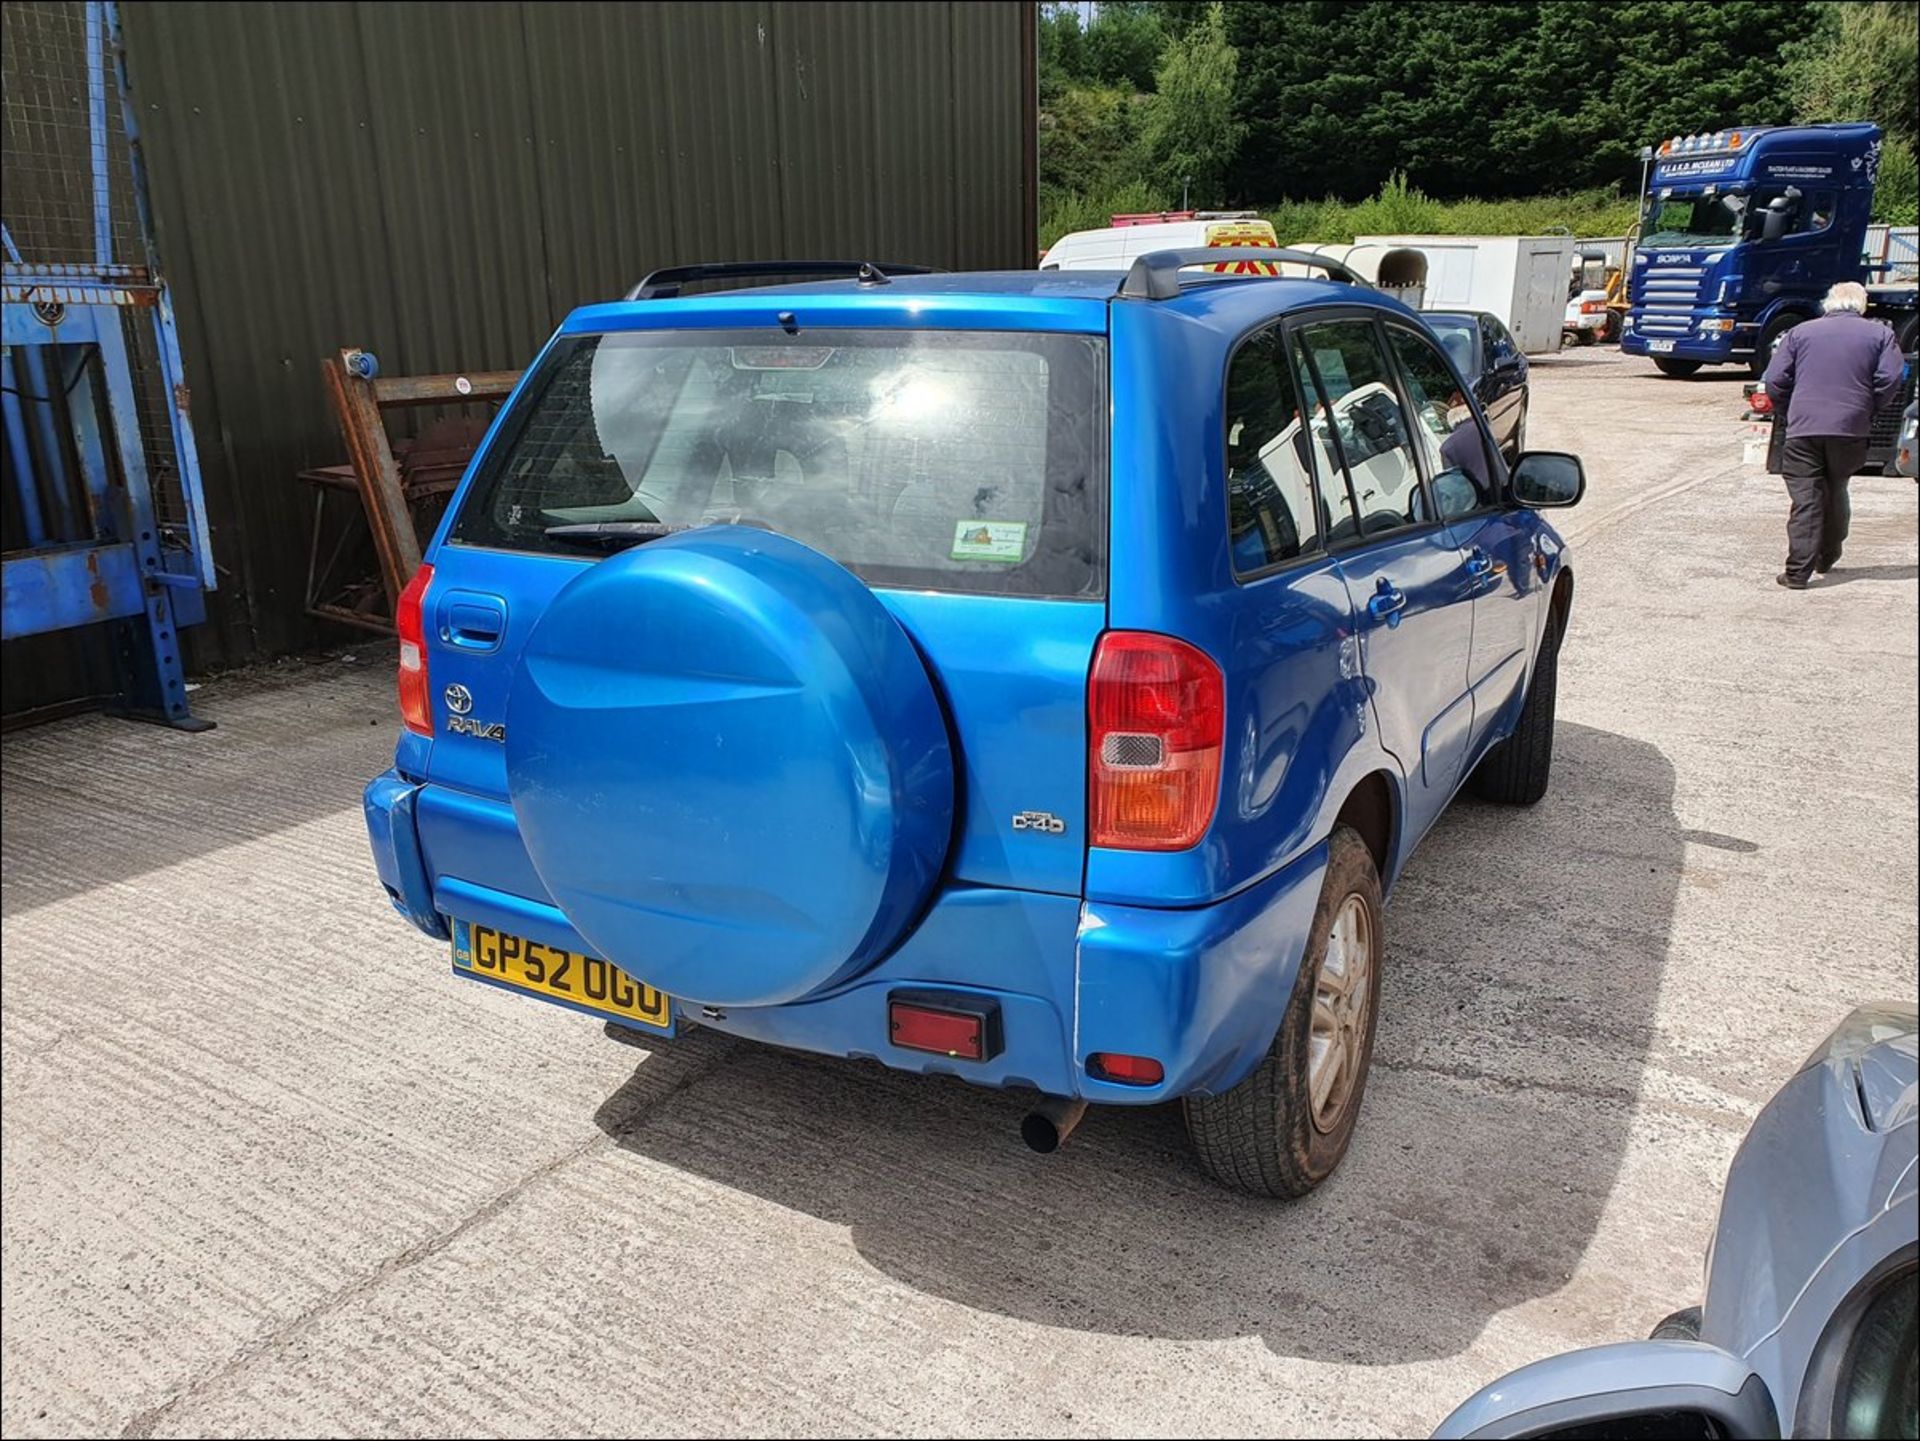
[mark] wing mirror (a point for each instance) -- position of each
(1635, 1388)
(1548, 479)
(1780, 211)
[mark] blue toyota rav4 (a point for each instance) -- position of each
(1036, 678)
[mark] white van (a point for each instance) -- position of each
(1116, 247)
(1400, 272)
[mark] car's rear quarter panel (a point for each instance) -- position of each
(1297, 738)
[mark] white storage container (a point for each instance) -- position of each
(1399, 270)
(1520, 278)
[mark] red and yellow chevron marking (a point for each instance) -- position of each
(1236, 233)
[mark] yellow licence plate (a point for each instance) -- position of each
(585, 983)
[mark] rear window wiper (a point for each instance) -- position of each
(611, 534)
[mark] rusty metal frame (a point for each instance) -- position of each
(359, 404)
(330, 594)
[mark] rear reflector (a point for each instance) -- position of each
(1157, 710)
(964, 1027)
(1134, 1070)
(416, 709)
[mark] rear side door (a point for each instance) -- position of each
(1405, 571)
(1289, 660)
(1496, 537)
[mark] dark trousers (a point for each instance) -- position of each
(1817, 469)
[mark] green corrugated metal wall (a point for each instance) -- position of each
(441, 183)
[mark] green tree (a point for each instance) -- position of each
(1177, 17)
(1090, 139)
(1062, 51)
(1495, 99)
(1192, 132)
(1896, 194)
(1123, 45)
(1861, 63)
(1688, 68)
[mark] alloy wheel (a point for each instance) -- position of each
(1342, 993)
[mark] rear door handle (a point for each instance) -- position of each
(1387, 603)
(472, 621)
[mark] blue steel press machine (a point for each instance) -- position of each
(105, 517)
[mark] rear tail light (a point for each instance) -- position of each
(1157, 709)
(1133, 1070)
(1593, 307)
(416, 712)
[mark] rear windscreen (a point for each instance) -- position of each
(934, 459)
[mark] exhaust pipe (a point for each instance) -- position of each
(1046, 1127)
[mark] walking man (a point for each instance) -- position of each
(1828, 377)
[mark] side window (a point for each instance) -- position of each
(1499, 342)
(1369, 428)
(1449, 437)
(1811, 210)
(1336, 501)
(1272, 515)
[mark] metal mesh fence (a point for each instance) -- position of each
(153, 401)
(57, 74)
(69, 193)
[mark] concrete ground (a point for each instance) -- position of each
(270, 1169)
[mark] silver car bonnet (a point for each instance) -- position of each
(1820, 1196)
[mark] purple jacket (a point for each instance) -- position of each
(1829, 376)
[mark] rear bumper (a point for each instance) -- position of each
(1200, 990)
(389, 804)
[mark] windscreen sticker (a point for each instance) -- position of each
(1001, 540)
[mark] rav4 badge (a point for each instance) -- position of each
(459, 702)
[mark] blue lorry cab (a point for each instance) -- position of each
(1034, 678)
(1745, 230)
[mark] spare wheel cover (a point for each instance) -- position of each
(729, 766)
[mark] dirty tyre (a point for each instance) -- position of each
(1277, 1133)
(1769, 342)
(1678, 369)
(1907, 332)
(1517, 771)
(1680, 1326)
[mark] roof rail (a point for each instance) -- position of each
(665, 283)
(1156, 275)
